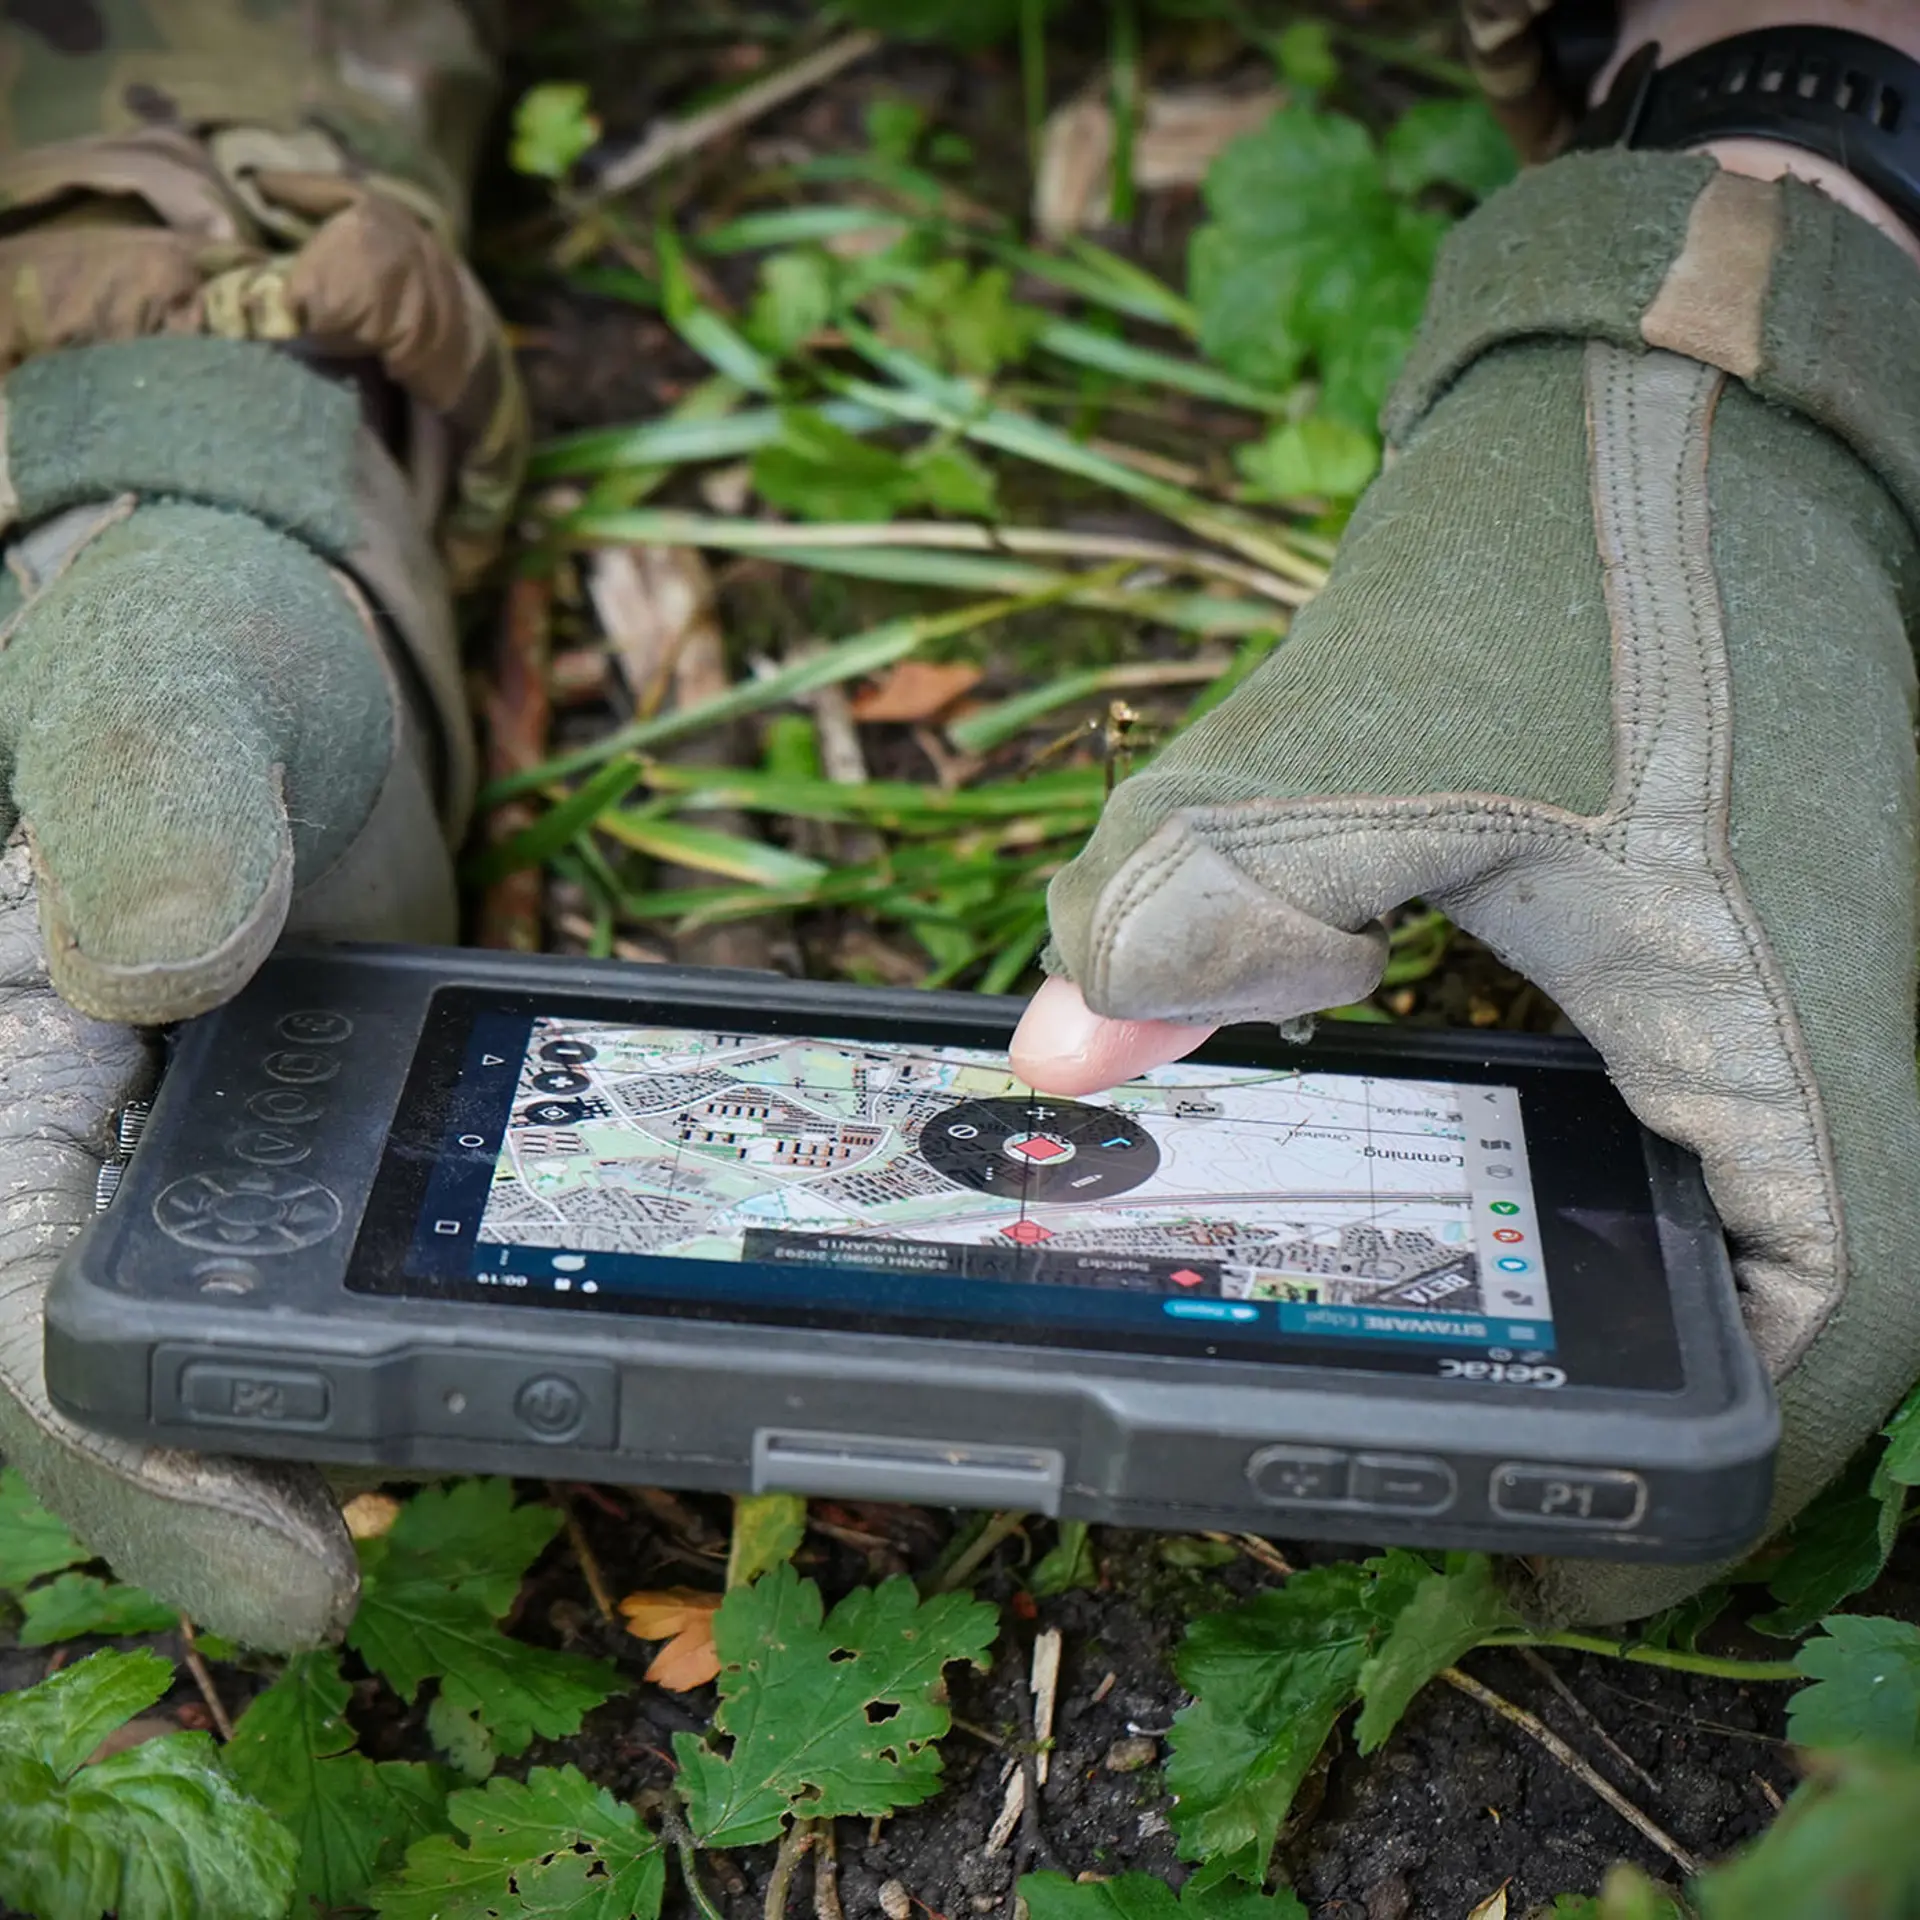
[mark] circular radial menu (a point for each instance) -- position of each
(1039, 1151)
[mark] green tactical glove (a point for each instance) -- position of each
(204, 741)
(1614, 668)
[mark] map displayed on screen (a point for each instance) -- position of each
(1206, 1181)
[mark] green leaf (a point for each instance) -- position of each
(77, 1604)
(1069, 1563)
(1847, 1844)
(476, 1536)
(434, 1586)
(420, 1631)
(1269, 1680)
(1837, 1548)
(1453, 143)
(822, 472)
(894, 127)
(951, 479)
(352, 1818)
(1900, 1464)
(552, 128)
(805, 1704)
(767, 1529)
(460, 1734)
(962, 321)
(1447, 1614)
(1308, 258)
(1303, 50)
(794, 301)
(32, 1542)
(1141, 1896)
(558, 827)
(1681, 1626)
(551, 1845)
(1866, 1691)
(1311, 458)
(158, 1832)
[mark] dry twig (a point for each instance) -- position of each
(519, 712)
(793, 1843)
(674, 140)
(1044, 1683)
(589, 1561)
(826, 1873)
(1545, 1669)
(195, 1665)
(1544, 1736)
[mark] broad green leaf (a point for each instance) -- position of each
(1446, 1614)
(767, 1529)
(352, 1818)
(1682, 1625)
(474, 1535)
(552, 1845)
(1270, 1679)
(158, 1832)
(1627, 1895)
(32, 1542)
(1141, 1896)
(552, 129)
(794, 302)
(434, 1586)
(77, 1604)
(1315, 457)
(822, 472)
(1866, 1685)
(460, 1734)
(418, 1631)
(1454, 143)
(894, 127)
(1837, 1548)
(1848, 1845)
(804, 1704)
(1069, 1563)
(1308, 257)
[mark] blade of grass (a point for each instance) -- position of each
(558, 826)
(1087, 347)
(666, 527)
(1015, 957)
(994, 726)
(1123, 42)
(863, 653)
(1033, 76)
(891, 804)
(796, 226)
(711, 335)
(730, 855)
(671, 442)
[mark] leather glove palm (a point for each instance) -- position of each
(1614, 668)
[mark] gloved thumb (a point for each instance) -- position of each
(198, 718)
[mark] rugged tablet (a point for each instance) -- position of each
(470, 1212)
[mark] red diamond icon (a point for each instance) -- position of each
(1036, 1146)
(1186, 1277)
(1029, 1233)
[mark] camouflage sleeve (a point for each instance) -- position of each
(293, 171)
(1506, 49)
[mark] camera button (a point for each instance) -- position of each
(298, 1068)
(1298, 1476)
(285, 1106)
(1403, 1483)
(314, 1027)
(1578, 1496)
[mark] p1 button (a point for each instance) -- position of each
(1571, 1496)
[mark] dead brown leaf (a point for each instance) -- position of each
(683, 1618)
(914, 690)
(1493, 1907)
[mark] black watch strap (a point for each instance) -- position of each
(1838, 94)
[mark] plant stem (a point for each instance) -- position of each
(1003, 1526)
(793, 1843)
(681, 1836)
(1667, 1657)
(1124, 46)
